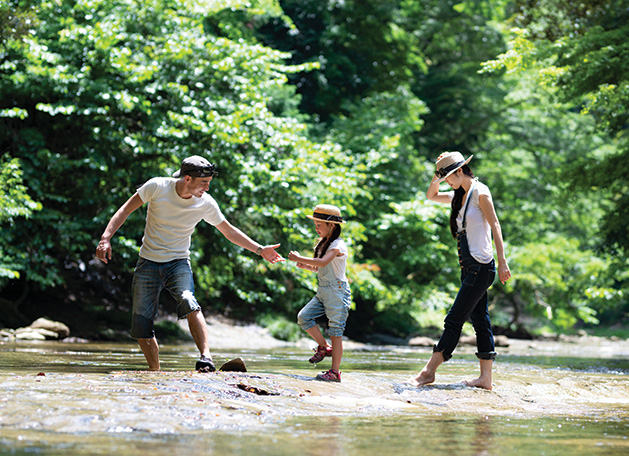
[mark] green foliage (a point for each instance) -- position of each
(558, 279)
(281, 328)
(170, 331)
(454, 38)
(564, 143)
(357, 43)
(14, 199)
(15, 205)
(105, 95)
(580, 55)
(302, 102)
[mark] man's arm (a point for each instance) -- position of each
(239, 238)
(103, 250)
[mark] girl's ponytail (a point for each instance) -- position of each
(324, 243)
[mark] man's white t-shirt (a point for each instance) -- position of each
(477, 227)
(339, 263)
(171, 219)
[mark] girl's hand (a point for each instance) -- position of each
(504, 273)
(294, 256)
(307, 267)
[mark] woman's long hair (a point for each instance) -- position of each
(457, 202)
(324, 243)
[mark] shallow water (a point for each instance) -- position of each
(548, 398)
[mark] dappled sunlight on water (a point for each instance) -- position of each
(97, 399)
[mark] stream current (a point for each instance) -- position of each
(549, 398)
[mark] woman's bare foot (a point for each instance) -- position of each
(424, 378)
(479, 382)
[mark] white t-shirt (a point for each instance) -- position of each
(339, 263)
(171, 219)
(477, 226)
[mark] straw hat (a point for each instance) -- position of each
(327, 213)
(449, 162)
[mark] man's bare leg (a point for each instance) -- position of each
(427, 375)
(198, 329)
(150, 348)
(484, 381)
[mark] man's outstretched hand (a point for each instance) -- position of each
(269, 254)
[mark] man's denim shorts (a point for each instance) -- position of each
(149, 279)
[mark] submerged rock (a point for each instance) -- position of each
(35, 334)
(61, 329)
(256, 390)
(40, 329)
(500, 341)
(421, 342)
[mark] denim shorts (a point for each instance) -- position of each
(333, 300)
(149, 279)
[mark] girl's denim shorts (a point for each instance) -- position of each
(333, 299)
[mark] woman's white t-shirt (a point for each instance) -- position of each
(171, 219)
(477, 227)
(339, 263)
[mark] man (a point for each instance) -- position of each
(175, 206)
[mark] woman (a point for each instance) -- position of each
(472, 222)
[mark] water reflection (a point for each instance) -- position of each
(96, 399)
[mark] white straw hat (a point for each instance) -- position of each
(327, 213)
(449, 162)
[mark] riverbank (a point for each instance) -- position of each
(229, 334)
(225, 334)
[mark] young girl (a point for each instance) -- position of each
(473, 220)
(333, 294)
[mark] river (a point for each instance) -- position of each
(549, 398)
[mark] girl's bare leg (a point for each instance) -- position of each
(337, 352)
(316, 334)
